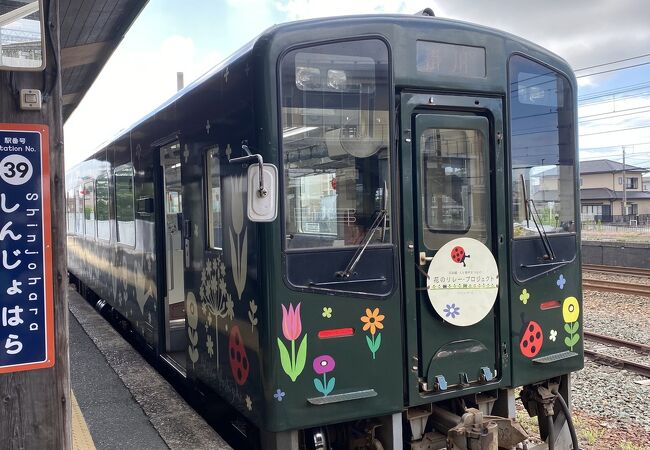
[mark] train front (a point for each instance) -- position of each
(429, 260)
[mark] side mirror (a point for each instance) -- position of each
(262, 192)
(22, 37)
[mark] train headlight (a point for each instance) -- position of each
(308, 78)
(337, 79)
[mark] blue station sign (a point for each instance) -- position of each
(26, 309)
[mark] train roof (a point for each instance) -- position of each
(275, 40)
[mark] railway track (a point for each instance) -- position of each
(615, 286)
(614, 361)
(640, 271)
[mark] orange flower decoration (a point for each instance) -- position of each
(372, 320)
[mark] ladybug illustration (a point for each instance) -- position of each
(238, 360)
(458, 255)
(532, 339)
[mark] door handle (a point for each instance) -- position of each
(424, 258)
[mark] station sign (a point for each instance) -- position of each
(26, 293)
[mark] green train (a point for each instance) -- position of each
(360, 232)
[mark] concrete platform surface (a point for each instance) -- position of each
(125, 402)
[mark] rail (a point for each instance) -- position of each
(617, 269)
(590, 284)
(614, 361)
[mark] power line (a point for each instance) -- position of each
(612, 62)
(614, 131)
(614, 70)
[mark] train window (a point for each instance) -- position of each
(454, 180)
(124, 204)
(102, 209)
(213, 195)
(542, 149)
(79, 209)
(70, 208)
(335, 126)
(89, 207)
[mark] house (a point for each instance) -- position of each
(603, 186)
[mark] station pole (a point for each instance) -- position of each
(35, 404)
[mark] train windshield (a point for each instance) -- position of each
(335, 126)
(543, 143)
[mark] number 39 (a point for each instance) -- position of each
(16, 170)
(22, 168)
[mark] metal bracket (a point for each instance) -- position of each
(250, 157)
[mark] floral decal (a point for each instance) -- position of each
(238, 244)
(524, 296)
(293, 364)
(251, 313)
(452, 311)
(216, 301)
(570, 313)
(279, 395)
(327, 312)
(561, 282)
(323, 365)
(372, 321)
(192, 321)
(552, 335)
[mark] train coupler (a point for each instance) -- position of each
(477, 431)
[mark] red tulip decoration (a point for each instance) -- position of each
(293, 364)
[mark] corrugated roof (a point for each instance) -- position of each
(607, 166)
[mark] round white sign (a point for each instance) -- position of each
(16, 169)
(463, 281)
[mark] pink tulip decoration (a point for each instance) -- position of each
(291, 324)
(294, 363)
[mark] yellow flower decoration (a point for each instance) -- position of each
(372, 320)
(570, 309)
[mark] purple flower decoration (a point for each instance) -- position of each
(561, 281)
(279, 394)
(324, 364)
(452, 311)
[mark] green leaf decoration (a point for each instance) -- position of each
(574, 340)
(568, 328)
(567, 341)
(319, 386)
(285, 359)
(377, 342)
(576, 327)
(370, 344)
(330, 386)
(300, 358)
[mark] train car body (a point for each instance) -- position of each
(425, 251)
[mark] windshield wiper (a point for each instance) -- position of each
(347, 273)
(531, 210)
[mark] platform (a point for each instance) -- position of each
(123, 401)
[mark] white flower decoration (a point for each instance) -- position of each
(553, 335)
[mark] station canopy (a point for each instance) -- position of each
(90, 32)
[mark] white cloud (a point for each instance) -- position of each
(132, 85)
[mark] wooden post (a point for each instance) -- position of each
(35, 405)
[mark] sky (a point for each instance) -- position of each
(192, 36)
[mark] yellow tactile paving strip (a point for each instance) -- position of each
(81, 438)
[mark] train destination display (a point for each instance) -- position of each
(26, 310)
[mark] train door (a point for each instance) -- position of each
(455, 242)
(175, 337)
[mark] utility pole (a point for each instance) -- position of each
(35, 406)
(624, 205)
